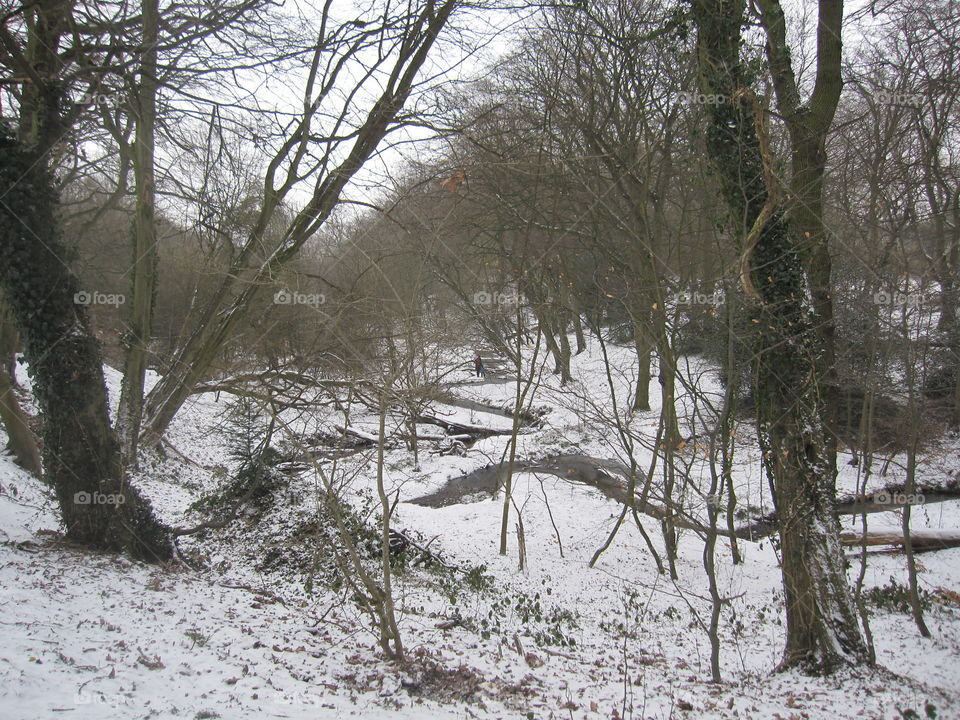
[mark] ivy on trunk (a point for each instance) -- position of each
(80, 450)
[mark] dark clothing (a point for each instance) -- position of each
(478, 366)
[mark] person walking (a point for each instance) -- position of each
(478, 366)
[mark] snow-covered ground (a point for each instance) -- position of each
(95, 636)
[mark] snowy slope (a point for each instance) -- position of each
(97, 636)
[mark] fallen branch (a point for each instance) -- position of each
(922, 540)
(425, 550)
(359, 434)
(557, 653)
(208, 525)
(256, 591)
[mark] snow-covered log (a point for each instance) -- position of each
(923, 540)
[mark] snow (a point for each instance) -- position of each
(91, 635)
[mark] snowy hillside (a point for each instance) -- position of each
(225, 634)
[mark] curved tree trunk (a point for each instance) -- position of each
(808, 125)
(545, 328)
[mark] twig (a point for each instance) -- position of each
(180, 556)
(424, 550)
(182, 456)
(255, 591)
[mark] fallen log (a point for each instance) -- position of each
(367, 438)
(922, 540)
(269, 376)
(476, 431)
(593, 472)
(588, 471)
(893, 497)
(609, 477)
(890, 497)
(528, 416)
(434, 437)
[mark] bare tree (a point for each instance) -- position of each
(399, 42)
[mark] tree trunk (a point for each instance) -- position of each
(390, 639)
(546, 331)
(910, 487)
(578, 330)
(520, 396)
(822, 627)
(641, 395)
(565, 354)
(145, 253)
(823, 631)
(81, 452)
(808, 125)
(956, 386)
(726, 423)
(669, 443)
(9, 343)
